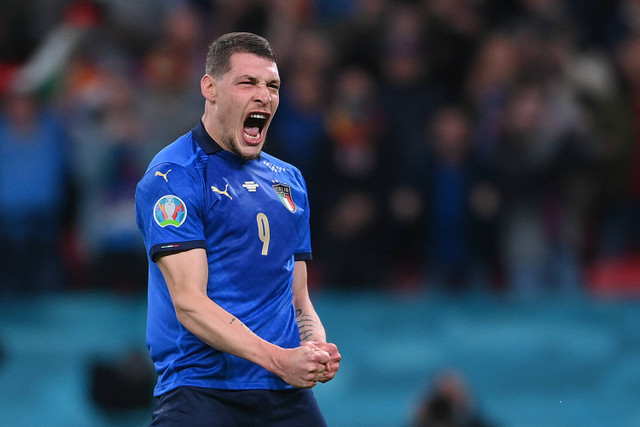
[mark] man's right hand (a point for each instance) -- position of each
(303, 366)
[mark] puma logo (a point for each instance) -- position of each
(164, 175)
(222, 192)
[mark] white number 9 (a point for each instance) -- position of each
(264, 232)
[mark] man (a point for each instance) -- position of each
(231, 329)
(34, 193)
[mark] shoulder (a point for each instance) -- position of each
(178, 164)
(182, 151)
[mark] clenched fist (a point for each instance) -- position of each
(302, 366)
(332, 366)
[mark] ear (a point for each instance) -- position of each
(208, 87)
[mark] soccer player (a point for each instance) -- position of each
(232, 332)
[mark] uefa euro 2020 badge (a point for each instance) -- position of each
(170, 210)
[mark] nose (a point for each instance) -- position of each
(263, 95)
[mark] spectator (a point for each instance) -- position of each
(358, 39)
(118, 261)
(170, 101)
(448, 404)
(461, 209)
(619, 231)
(539, 229)
(408, 96)
(353, 184)
(490, 79)
(34, 194)
(453, 30)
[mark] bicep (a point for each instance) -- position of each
(186, 274)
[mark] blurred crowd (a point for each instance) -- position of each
(448, 145)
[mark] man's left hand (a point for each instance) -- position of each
(334, 362)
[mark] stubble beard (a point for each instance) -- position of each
(235, 149)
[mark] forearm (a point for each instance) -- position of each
(186, 275)
(309, 325)
(312, 331)
(225, 332)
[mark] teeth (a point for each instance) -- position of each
(258, 116)
(251, 137)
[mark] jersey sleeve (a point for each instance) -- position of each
(169, 210)
(303, 247)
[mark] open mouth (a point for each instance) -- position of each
(254, 125)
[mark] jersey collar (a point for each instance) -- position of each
(204, 140)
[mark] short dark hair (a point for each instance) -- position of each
(223, 47)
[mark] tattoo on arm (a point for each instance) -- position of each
(307, 324)
(235, 319)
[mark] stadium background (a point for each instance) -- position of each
(474, 175)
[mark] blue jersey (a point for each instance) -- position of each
(253, 220)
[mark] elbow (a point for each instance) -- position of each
(182, 315)
(189, 318)
(185, 307)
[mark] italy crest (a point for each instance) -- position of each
(170, 210)
(284, 192)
